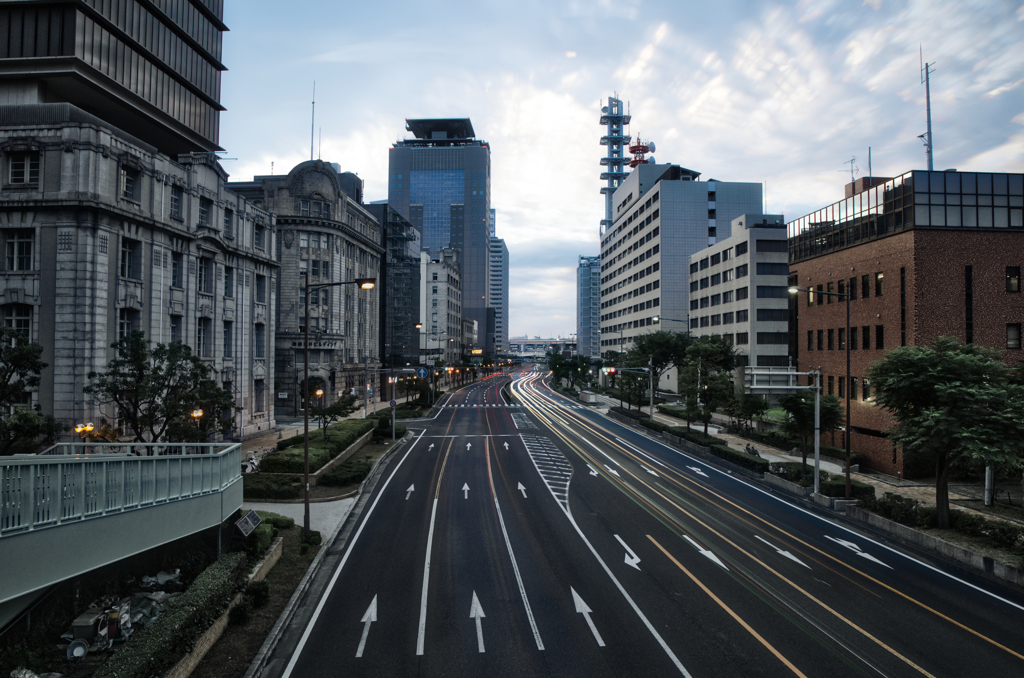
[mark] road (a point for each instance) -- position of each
(537, 538)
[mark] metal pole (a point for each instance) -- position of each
(650, 380)
(305, 406)
(393, 379)
(849, 387)
(817, 432)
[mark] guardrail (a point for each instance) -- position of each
(72, 482)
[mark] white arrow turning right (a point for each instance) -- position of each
(611, 470)
(408, 491)
(593, 471)
(368, 618)
(785, 554)
(477, 612)
(465, 490)
(522, 489)
(697, 470)
(631, 558)
(583, 609)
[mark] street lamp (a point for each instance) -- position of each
(845, 296)
(197, 414)
(364, 284)
(83, 430)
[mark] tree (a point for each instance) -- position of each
(665, 350)
(706, 376)
(800, 422)
(154, 390)
(22, 429)
(342, 407)
(956, 406)
(750, 406)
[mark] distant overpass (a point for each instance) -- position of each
(531, 349)
(80, 506)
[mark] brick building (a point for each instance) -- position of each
(923, 255)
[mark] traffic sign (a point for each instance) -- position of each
(393, 403)
(421, 372)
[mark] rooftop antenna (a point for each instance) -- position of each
(926, 69)
(320, 146)
(853, 168)
(271, 168)
(312, 124)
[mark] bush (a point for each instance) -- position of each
(897, 508)
(258, 541)
(160, 645)
(346, 473)
(796, 472)
(339, 437)
(1005, 535)
(836, 487)
(312, 539)
(242, 612)
(740, 458)
(259, 591)
(278, 521)
(967, 523)
(261, 486)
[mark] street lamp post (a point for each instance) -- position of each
(845, 296)
(197, 415)
(83, 430)
(364, 284)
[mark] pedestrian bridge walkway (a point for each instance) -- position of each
(77, 507)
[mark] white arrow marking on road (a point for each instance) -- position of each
(697, 470)
(856, 549)
(522, 489)
(611, 470)
(408, 491)
(368, 618)
(431, 447)
(639, 451)
(465, 490)
(506, 447)
(649, 471)
(593, 471)
(785, 554)
(476, 612)
(631, 558)
(708, 554)
(582, 608)
(468, 445)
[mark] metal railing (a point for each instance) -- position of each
(72, 482)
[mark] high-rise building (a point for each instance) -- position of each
(400, 286)
(662, 215)
(115, 205)
(588, 306)
(498, 296)
(150, 69)
(441, 317)
(440, 181)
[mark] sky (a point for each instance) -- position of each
(780, 93)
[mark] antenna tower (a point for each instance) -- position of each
(613, 164)
(926, 69)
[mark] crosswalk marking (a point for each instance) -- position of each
(551, 464)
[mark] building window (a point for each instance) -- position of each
(229, 281)
(258, 395)
(128, 184)
(716, 279)
(742, 293)
(257, 235)
(204, 328)
(694, 286)
(705, 283)
(773, 338)
(842, 387)
(879, 337)
(316, 267)
(865, 336)
(176, 322)
(177, 269)
(205, 208)
(742, 338)
(228, 343)
(831, 385)
(18, 317)
(23, 168)
(229, 224)
(1013, 278)
(1013, 336)
(853, 289)
(693, 267)
(842, 289)
(865, 287)
(743, 316)
(821, 297)
(741, 248)
(261, 289)
(704, 263)
(716, 320)
(830, 289)
(206, 275)
(821, 340)
(303, 208)
(177, 201)
(772, 292)
(831, 340)
(127, 322)
(866, 390)
(19, 249)
(694, 304)
(303, 239)
(260, 340)
(853, 338)
(131, 259)
(716, 299)
(842, 338)
(742, 271)
(728, 318)
(727, 297)
(878, 284)
(810, 340)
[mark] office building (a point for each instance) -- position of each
(441, 314)
(440, 181)
(399, 287)
(922, 255)
(323, 236)
(498, 296)
(662, 215)
(588, 306)
(739, 290)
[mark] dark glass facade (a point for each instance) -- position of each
(918, 199)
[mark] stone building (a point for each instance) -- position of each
(324, 234)
(441, 305)
(105, 235)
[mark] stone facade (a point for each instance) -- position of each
(330, 238)
(105, 235)
(441, 305)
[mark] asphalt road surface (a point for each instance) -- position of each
(529, 536)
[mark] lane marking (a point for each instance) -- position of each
(584, 609)
(476, 612)
(368, 618)
(422, 631)
(785, 554)
(631, 558)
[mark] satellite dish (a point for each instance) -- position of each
(650, 147)
(604, 109)
(651, 160)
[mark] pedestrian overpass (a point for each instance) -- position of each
(79, 506)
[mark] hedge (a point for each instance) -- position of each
(740, 458)
(347, 473)
(697, 437)
(836, 487)
(277, 520)
(158, 646)
(339, 437)
(260, 486)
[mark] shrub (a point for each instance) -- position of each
(740, 458)
(161, 644)
(242, 612)
(258, 541)
(967, 523)
(278, 521)
(1005, 535)
(898, 508)
(312, 539)
(260, 592)
(346, 473)
(339, 437)
(836, 487)
(261, 486)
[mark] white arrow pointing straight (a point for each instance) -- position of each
(785, 554)
(631, 558)
(409, 490)
(431, 447)
(583, 609)
(593, 471)
(522, 489)
(506, 447)
(465, 490)
(611, 470)
(468, 446)
(477, 612)
(706, 553)
(368, 618)
(697, 470)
